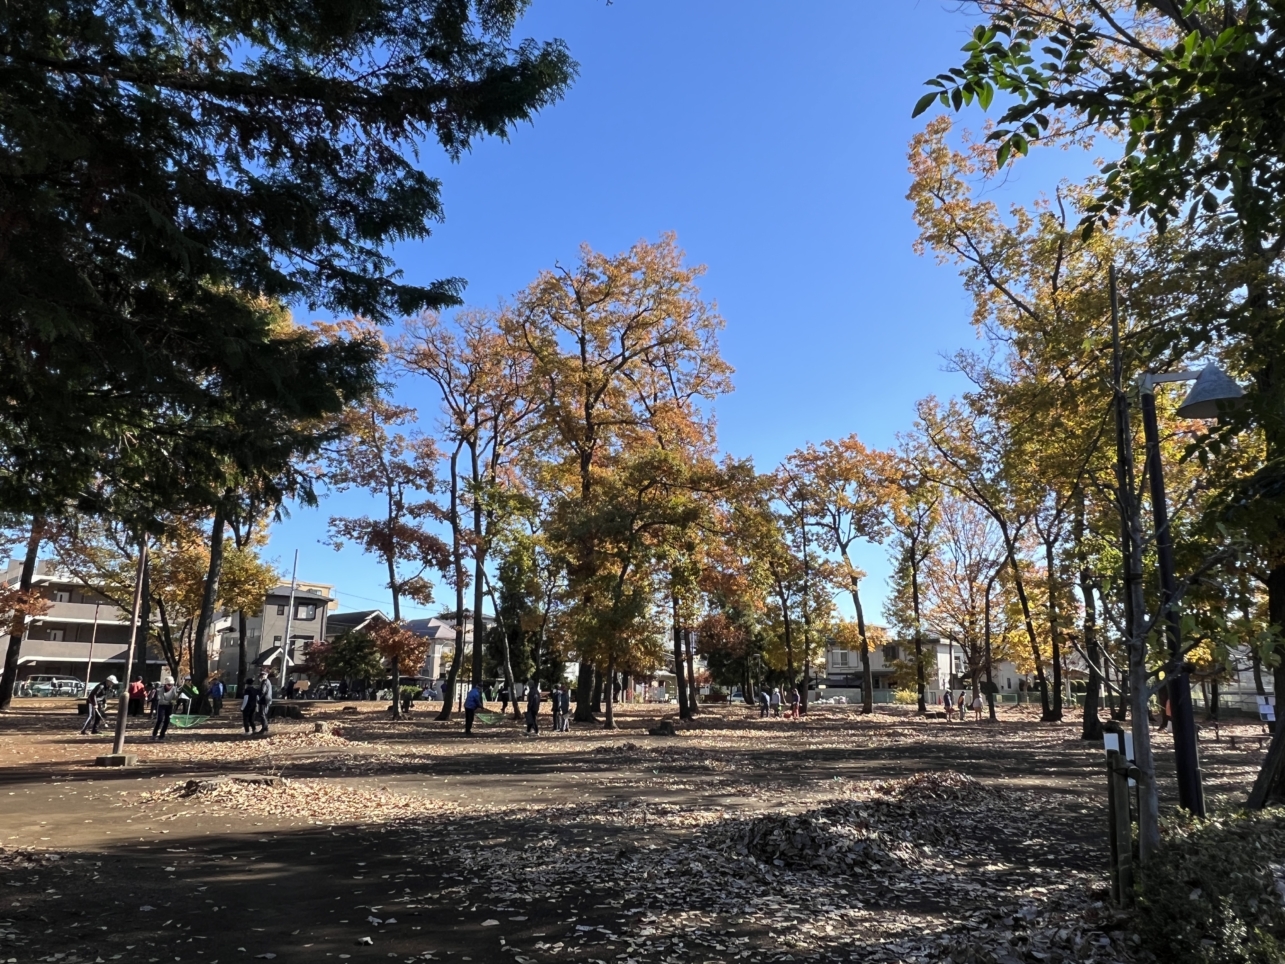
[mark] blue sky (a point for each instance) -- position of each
(772, 138)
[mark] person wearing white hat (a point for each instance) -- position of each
(94, 705)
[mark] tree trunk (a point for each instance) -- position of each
(1213, 700)
(867, 678)
(457, 563)
(684, 713)
(1041, 681)
(397, 619)
(610, 723)
(171, 652)
(1134, 604)
(597, 690)
(200, 640)
(584, 690)
(508, 661)
(9, 679)
(1092, 729)
(692, 702)
(990, 682)
(919, 633)
(1055, 633)
(479, 561)
(1269, 786)
(1256, 662)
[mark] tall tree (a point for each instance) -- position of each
(620, 346)
(1181, 87)
(487, 398)
(400, 472)
(160, 162)
(913, 521)
(848, 485)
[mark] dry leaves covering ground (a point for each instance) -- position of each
(843, 838)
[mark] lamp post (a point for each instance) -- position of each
(1213, 392)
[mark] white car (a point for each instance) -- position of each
(55, 686)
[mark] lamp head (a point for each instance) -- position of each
(1213, 386)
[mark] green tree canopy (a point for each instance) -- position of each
(171, 172)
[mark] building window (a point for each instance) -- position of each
(60, 596)
(281, 610)
(56, 635)
(305, 611)
(276, 640)
(890, 653)
(1010, 683)
(843, 657)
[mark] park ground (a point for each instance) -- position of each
(838, 838)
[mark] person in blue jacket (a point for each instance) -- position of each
(472, 703)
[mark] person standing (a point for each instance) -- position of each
(947, 704)
(795, 702)
(165, 701)
(265, 700)
(533, 708)
(472, 703)
(249, 706)
(555, 704)
(959, 706)
(563, 698)
(217, 692)
(764, 704)
(775, 701)
(137, 693)
(94, 705)
(977, 707)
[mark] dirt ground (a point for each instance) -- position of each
(841, 837)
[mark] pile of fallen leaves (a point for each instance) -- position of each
(837, 838)
(944, 786)
(312, 801)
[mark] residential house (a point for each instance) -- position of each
(440, 633)
(266, 630)
(947, 667)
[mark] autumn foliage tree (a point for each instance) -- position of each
(622, 348)
(399, 470)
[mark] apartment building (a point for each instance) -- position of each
(82, 634)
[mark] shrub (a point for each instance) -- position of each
(1215, 891)
(907, 696)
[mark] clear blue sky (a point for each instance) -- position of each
(772, 138)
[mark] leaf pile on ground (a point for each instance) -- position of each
(890, 868)
(929, 788)
(313, 801)
(837, 838)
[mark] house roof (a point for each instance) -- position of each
(431, 628)
(306, 595)
(339, 623)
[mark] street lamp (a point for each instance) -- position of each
(1214, 393)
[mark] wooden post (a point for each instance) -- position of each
(1112, 835)
(1121, 828)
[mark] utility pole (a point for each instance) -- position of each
(285, 640)
(117, 757)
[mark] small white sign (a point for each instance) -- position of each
(1111, 741)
